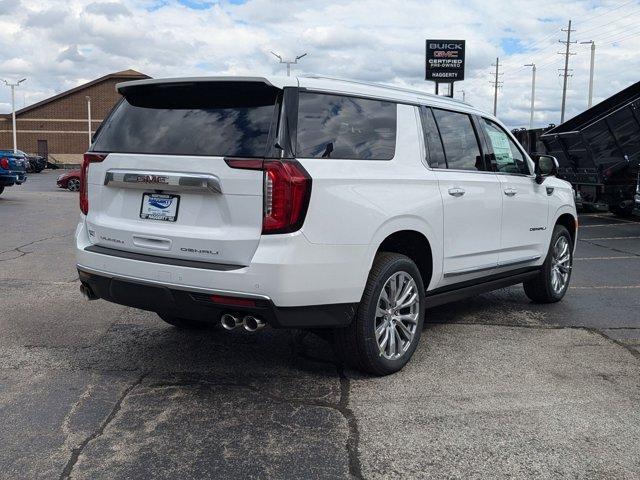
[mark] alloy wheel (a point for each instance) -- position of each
(73, 185)
(560, 264)
(397, 315)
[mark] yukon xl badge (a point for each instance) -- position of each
(110, 239)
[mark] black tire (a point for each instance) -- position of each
(540, 288)
(1, 190)
(185, 323)
(356, 345)
(618, 211)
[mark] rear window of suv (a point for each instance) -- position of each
(336, 126)
(192, 118)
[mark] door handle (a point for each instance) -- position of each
(456, 192)
(510, 192)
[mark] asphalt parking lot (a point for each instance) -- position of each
(498, 388)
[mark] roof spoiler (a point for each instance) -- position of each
(123, 87)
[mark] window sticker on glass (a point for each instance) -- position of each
(501, 147)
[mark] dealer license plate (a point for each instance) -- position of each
(159, 206)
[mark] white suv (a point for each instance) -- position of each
(314, 203)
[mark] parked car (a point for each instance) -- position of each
(37, 163)
(69, 180)
(31, 165)
(321, 204)
(12, 169)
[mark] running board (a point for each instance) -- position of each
(454, 293)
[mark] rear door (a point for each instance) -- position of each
(471, 199)
(164, 187)
(525, 204)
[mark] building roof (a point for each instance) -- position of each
(124, 74)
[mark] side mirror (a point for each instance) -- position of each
(545, 166)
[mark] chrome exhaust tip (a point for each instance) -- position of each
(229, 322)
(87, 293)
(251, 323)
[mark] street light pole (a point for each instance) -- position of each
(533, 92)
(89, 117)
(288, 62)
(591, 69)
(13, 110)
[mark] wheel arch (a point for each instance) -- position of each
(415, 239)
(570, 221)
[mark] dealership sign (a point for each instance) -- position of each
(445, 60)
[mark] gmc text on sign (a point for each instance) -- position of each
(445, 60)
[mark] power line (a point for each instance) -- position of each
(606, 12)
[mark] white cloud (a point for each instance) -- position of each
(60, 45)
(111, 10)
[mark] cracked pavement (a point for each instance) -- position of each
(498, 387)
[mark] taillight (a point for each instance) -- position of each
(84, 171)
(4, 163)
(286, 192)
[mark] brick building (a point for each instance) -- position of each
(58, 127)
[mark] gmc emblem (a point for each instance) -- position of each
(152, 179)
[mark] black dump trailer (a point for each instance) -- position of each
(599, 151)
(530, 139)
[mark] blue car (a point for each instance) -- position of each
(13, 168)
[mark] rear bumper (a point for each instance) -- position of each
(12, 178)
(287, 269)
(196, 304)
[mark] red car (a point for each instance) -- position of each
(70, 180)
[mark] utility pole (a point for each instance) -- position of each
(591, 68)
(89, 118)
(496, 84)
(13, 110)
(288, 62)
(565, 74)
(533, 91)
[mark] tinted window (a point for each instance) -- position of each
(222, 118)
(332, 126)
(435, 154)
(507, 156)
(459, 140)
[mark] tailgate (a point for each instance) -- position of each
(164, 188)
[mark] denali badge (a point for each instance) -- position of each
(152, 179)
(535, 229)
(197, 250)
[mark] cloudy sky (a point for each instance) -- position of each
(60, 44)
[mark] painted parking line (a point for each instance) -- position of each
(607, 225)
(610, 218)
(606, 287)
(636, 257)
(609, 238)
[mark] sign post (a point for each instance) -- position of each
(444, 62)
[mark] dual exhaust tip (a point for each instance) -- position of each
(249, 322)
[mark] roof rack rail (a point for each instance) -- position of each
(379, 85)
